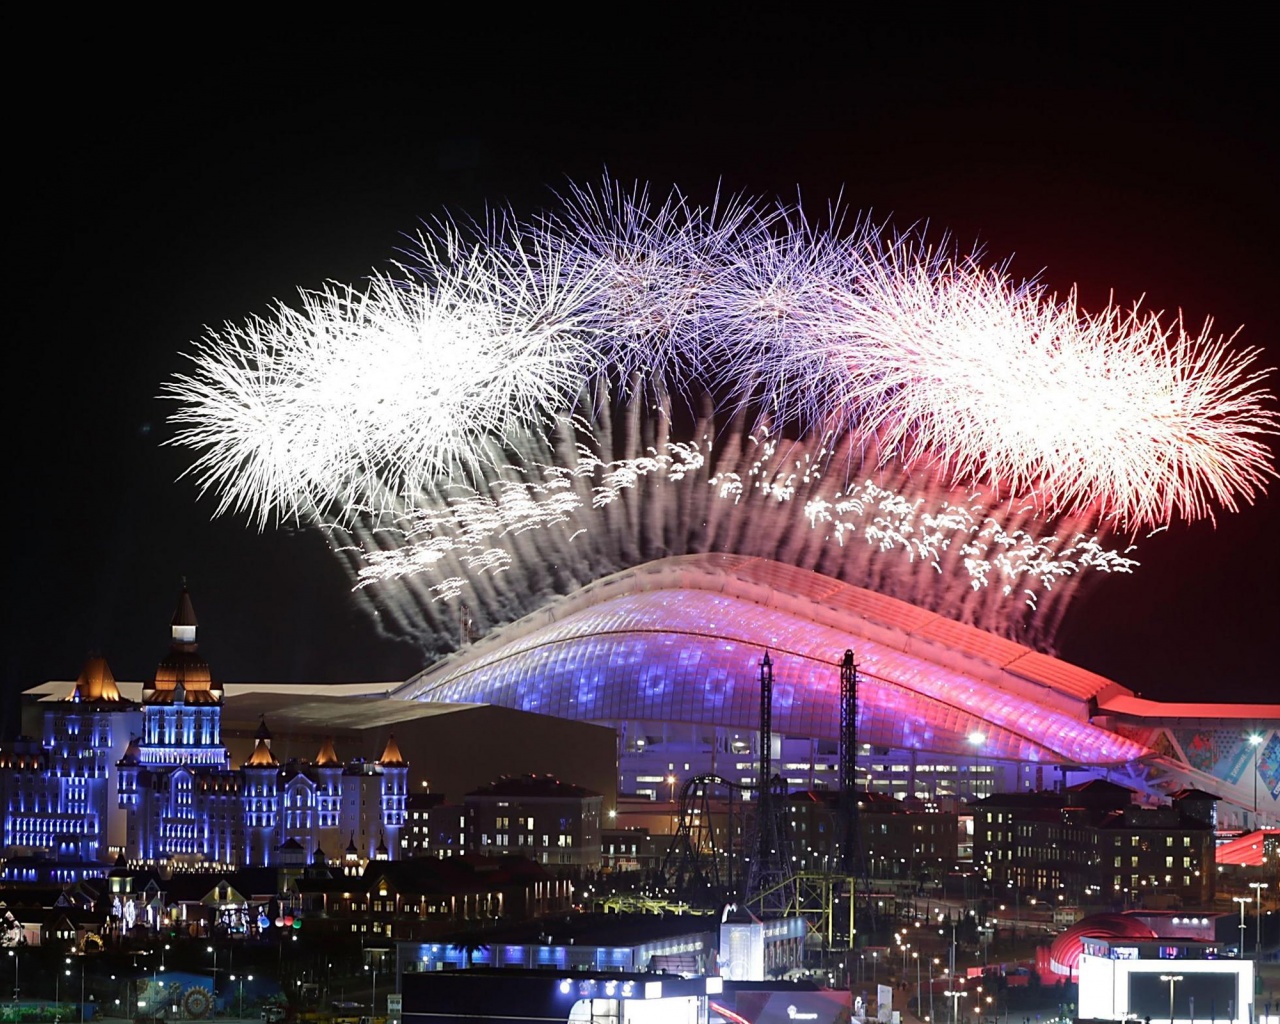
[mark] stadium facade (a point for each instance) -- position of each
(668, 654)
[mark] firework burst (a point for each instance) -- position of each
(505, 400)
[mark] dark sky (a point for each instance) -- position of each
(166, 186)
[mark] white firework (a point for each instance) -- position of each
(457, 419)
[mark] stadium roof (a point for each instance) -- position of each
(681, 640)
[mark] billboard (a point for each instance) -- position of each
(1166, 990)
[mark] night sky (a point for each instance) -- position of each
(163, 187)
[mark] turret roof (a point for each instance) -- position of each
(328, 757)
(391, 756)
(261, 756)
(185, 615)
(96, 683)
(182, 665)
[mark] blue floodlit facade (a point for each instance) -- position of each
(668, 654)
(152, 779)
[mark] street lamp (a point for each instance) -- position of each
(955, 994)
(1242, 900)
(915, 955)
(14, 953)
(1257, 888)
(241, 979)
(373, 990)
(1172, 979)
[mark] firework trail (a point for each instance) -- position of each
(526, 406)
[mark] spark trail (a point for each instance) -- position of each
(534, 404)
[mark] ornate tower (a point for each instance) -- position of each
(395, 784)
(260, 795)
(326, 769)
(175, 779)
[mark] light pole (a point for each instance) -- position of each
(1242, 900)
(1255, 741)
(241, 979)
(14, 953)
(1172, 979)
(951, 967)
(373, 990)
(1257, 888)
(955, 994)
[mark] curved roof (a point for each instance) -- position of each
(1064, 954)
(681, 639)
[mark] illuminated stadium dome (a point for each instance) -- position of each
(668, 653)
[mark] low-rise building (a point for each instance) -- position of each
(898, 838)
(554, 823)
(422, 897)
(1092, 843)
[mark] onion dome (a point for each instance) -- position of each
(132, 752)
(381, 852)
(183, 665)
(352, 852)
(328, 757)
(263, 735)
(391, 756)
(96, 683)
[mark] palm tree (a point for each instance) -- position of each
(471, 947)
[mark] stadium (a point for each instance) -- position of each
(668, 654)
